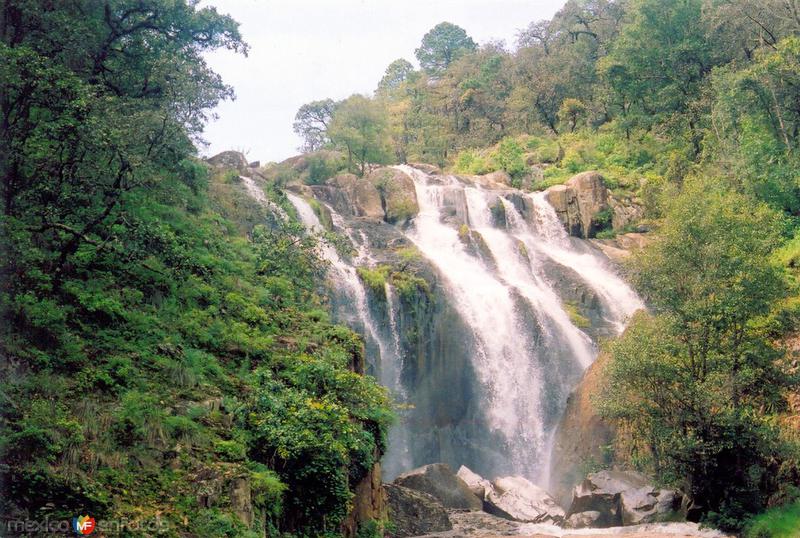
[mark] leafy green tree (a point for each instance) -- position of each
(698, 379)
(757, 121)
(397, 73)
(571, 112)
(311, 123)
(359, 126)
(658, 62)
(85, 121)
(441, 46)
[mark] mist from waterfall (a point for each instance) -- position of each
(526, 352)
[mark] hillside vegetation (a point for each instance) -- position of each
(167, 366)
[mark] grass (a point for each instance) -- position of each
(779, 522)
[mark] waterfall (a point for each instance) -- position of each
(487, 380)
(552, 241)
(351, 298)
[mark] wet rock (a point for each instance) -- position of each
(398, 195)
(430, 169)
(439, 480)
(523, 204)
(476, 245)
(583, 520)
(335, 197)
(581, 437)
(239, 492)
(414, 513)
(623, 498)
(369, 501)
(454, 206)
(476, 483)
(498, 211)
(514, 497)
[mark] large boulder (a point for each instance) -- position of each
(414, 513)
(439, 480)
(621, 498)
(363, 197)
(582, 204)
(516, 498)
(476, 483)
(398, 195)
(229, 159)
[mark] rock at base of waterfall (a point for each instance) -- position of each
(621, 498)
(414, 513)
(477, 484)
(398, 194)
(583, 520)
(516, 498)
(439, 480)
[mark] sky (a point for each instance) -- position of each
(305, 50)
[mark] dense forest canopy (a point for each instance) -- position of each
(162, 333)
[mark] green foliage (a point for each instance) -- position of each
(145, 300)
(509, 157)
(698, 381)
(360, 127)
(375, 278)
(576, 316)
(781, 522)
(441, 46)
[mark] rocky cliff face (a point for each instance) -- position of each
(582, 437)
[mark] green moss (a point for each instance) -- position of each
(375, 278)
(575, 315)
(409, 254)
(409, 285)
(779, 522)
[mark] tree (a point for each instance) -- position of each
(443, 44)
(756, 120)
(571, 112)
(697, 379)
(359, 126)
(86, 122)
(311, 123)
(395, 76)
(658, 62)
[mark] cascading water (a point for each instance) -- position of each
(351, 298)
(486, 374)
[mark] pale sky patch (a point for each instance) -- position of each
(304, 50)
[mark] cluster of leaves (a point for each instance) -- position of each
(161, 333)
(700, 378)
